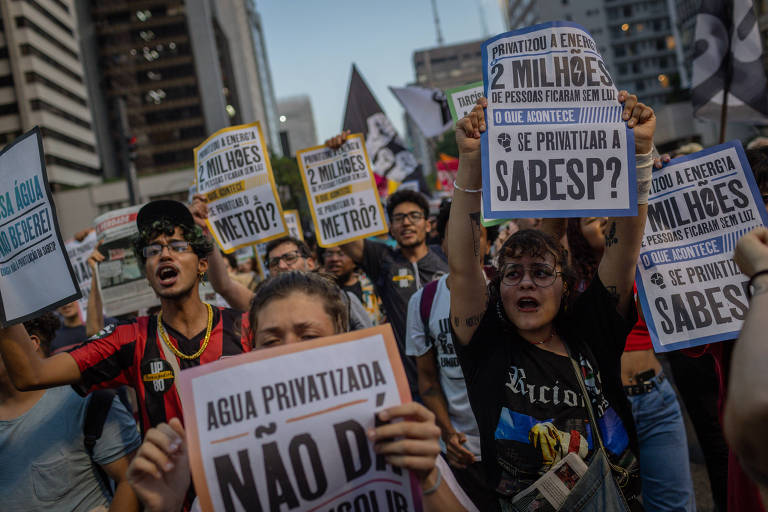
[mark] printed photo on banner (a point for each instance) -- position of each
(293, 223)
(123, 286)
(461, 100)
(342, 193)
(287, 425)
(78, 252)
(555, 144)
(234, 173)
(690, 289)
(35, 273)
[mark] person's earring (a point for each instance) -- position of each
(201, 275)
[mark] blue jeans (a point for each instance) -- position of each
(664, 468)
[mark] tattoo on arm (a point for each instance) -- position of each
(610, 238)
(474, 226)
(470, 321)
(613, 294)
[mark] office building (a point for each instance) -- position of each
(42, 83)
(519, 13)
(448, 65)
(297, 124)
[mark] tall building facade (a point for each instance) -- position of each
(297, 124)
(167, 73)
(43, 83)
(519, 13)
(448, 65)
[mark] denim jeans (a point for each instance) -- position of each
(664, 467)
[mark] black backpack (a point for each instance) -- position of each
(93, 426)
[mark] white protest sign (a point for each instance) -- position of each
(35, 273)
(555, 144)
(690, 289)
(342, 193)
(234, 173)
(287, 426)
(122, 284)
(293, 223)
(78, 253)
(461, 100)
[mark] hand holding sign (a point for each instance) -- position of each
(751, 253)
(641, 119)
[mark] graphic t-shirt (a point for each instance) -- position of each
(528, 402)
(439, 339)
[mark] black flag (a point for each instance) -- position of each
(389, 157)
(728, 54)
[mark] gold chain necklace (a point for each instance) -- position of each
(175, 350)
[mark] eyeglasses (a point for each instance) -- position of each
(541, 274)
(398, 218)
(152, 250)
(289, 258)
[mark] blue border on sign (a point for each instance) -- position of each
(486, 172)
(647, 312)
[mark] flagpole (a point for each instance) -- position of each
(724, 112)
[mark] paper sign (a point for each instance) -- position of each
(690, 289)
(341, 191)
(122, 284)
(261, 258)
(461, 100)
(286, 425)
(35, 273)
(293, 223)
(78, 253)
(234, 173)
(555, 144)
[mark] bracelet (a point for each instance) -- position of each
(467, 190)
(751, 283)
(438, 481)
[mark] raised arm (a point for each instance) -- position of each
(27, 368)
(94, 321)
(622, 240)
(746, 410)
(469, 295)
(237, 296)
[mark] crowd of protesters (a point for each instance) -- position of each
(516, 340)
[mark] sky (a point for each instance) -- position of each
(311, 45)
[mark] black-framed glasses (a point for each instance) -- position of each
(152, 250)
(542, 275)
(398, 218)
(289, 258)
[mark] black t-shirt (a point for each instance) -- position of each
(356, 289)
(528, 402)
(395, 279)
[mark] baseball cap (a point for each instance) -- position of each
(175, 211)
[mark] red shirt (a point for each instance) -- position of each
(131, 354)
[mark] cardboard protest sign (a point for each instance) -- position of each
(120, 279)
(261, 258)
(78, 253)
(342, 193)
(234, 173)
(690, 289)
(35, 273)
(293, 223)
(555, 144)
(461, 100)
(287, 425)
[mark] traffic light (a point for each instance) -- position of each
(130, 145)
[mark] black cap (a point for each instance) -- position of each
(175, 211)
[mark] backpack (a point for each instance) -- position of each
(425, 306)
(93, 426)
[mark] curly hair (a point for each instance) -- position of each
(323, 286)
(583, 258)
(164, 226)
(44, 327)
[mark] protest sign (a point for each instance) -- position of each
(287, 426)
(261, 258)
(234, 173)
(78, 252)
(461, 100)
(342, 193)
(690, 289)
(122, 284)
(35, 273)
(555, 144)
(293, 223)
